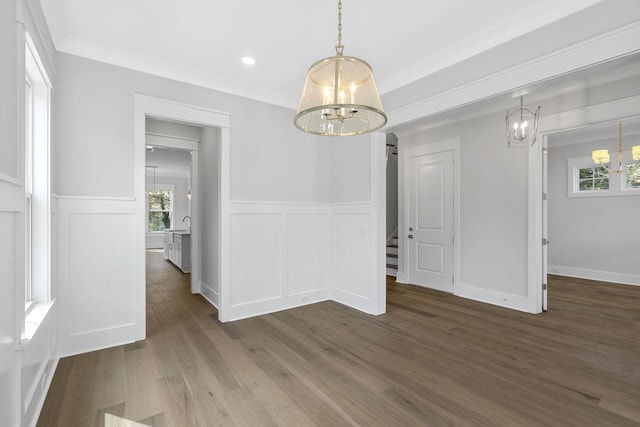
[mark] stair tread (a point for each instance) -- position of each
(392, 246)
(392, 255)
(392, 266)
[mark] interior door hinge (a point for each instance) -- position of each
(544, 286)
(544, 241)
(544, 196)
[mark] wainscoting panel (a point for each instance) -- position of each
(256, 258)
(354, 257)
(280, 257)
(101, 283)
(308, 250)
(96, 273)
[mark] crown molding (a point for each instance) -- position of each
(76, 46)
(615, 44)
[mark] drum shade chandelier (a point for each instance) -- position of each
(522, 125)
(601, 157)
(340, 97)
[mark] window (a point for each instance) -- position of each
(160, 209)
(593, 179)
(28, 160)
(585, 179)
(37, 188)
(632, 176)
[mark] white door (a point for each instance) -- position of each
(429, 231)
(545, 241)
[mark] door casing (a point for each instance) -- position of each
(405, 153)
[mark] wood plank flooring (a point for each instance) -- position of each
(432, 360)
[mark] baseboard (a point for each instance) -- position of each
(257, 308)
(52, 365)
(354, 301)
(502, 299)
(603, 276)
(88, 341)
(209, 294)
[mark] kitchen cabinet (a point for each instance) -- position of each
(177, 248)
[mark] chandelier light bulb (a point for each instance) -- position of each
(324, 108)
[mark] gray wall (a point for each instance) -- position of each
(270, 159)
(493, 199)
(599, 234)
(209, 211)
(392, 188)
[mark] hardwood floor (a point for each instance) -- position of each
(433, 359)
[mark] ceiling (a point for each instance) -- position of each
(202, 42)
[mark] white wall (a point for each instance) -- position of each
(591, 237)
(358, 225)
(25, 367)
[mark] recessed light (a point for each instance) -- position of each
(247, 60)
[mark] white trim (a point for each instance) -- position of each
(200, 116)
(50, 367)
(98, 339)
(611, 45)
(603, 276)
(391, 236)
(452, 144)
(617, 181)
(378, 178)
(619, 109)
(209, 294)
(115, 199)
(172, 137)
(10, 179)
(134, 61)
(167, 141)
(502, 299)
(594, 114)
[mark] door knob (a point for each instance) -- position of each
(410, 228)
(410, 236)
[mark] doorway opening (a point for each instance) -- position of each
(587, 233)
(172, 157)
(209, 199)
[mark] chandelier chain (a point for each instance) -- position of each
(339, 22)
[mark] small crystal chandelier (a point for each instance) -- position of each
(601, 157)
(340, 97)
(522, 125)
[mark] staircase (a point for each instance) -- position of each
(392, 257)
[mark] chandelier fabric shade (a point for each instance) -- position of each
(340, 96)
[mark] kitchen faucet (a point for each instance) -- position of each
(189, 218)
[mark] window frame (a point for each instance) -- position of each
(171, 188)
(37, 292)
(617, 181)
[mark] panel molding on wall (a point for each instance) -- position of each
(270, 242)
(353, 248)
(96, 272)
